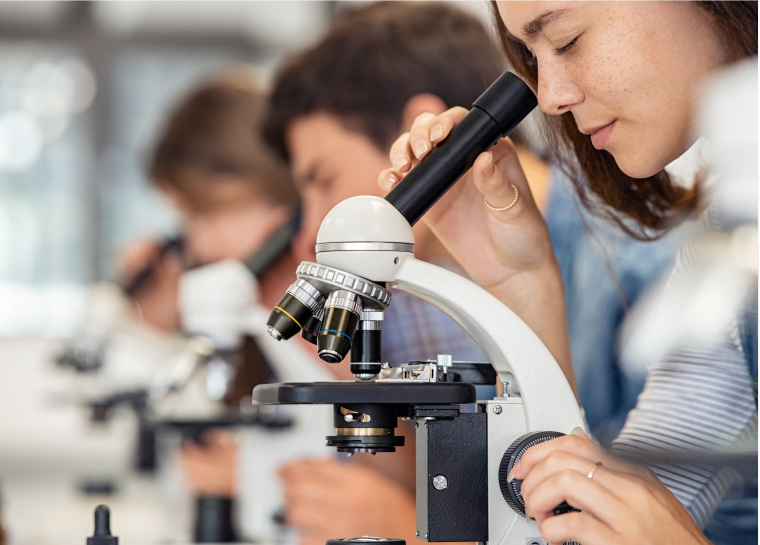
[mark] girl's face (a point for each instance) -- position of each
(629, 72)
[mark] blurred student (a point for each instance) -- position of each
(336, 109)
(232, 193)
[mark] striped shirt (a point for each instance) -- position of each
(698, 398)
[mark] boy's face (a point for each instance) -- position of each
(329, 163)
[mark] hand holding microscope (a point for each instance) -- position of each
(364, 246)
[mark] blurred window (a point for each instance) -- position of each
(84, 89)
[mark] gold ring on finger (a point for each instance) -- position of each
(510, 205)
(593, 470)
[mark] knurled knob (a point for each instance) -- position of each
(511, 491)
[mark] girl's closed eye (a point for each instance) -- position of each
(565, 48)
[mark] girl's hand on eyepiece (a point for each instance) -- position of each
(507, 252)
(515, 240)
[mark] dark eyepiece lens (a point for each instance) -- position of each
(300, 303)
(342, 311)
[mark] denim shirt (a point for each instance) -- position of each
(604, 271)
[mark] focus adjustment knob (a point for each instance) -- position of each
(511, 491)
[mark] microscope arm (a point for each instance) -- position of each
(511, 346)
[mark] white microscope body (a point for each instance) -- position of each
(367, 236)
(365, 244)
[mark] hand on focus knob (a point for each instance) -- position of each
(626, 502)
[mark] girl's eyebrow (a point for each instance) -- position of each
(533, 28)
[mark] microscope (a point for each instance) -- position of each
(364, 246)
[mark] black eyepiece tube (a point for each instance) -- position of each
(493, 116)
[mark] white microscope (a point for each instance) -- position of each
(366, 244)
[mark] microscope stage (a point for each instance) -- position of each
(377, 392)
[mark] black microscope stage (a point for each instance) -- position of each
(377, 392)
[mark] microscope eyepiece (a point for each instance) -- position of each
(493, 115)
(342, 311)
(300, 303)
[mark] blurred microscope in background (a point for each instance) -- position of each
(181, 387)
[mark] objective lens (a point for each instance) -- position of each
(311, 328)
(342, 311)
(300, 303)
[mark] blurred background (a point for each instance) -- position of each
(84, 88)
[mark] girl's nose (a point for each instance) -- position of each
(557, 93)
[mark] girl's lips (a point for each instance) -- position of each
(600, 138)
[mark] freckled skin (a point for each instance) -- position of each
(638, 63)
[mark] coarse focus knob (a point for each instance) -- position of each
(511, 491)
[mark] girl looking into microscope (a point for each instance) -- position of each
(619, 84)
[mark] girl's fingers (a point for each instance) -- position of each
(499, 177)
(579, 445)
(427, 129)
(591, 495)
(441, 128)
(556, 462)
(419, 135)
(401, 158)
(387, 179)
(497, 190)
(576, 526)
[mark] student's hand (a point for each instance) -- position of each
(211, 468)
(622, 503)
(328, 499)
(493, 246)
(509, 253)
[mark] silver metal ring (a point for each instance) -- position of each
(346, 300)
(327, 279)
(307, 294)
(336, 355)
(373, 315)
(370, 325)
(364, 247)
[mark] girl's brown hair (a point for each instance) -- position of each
(644, 208)
(216, 131)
